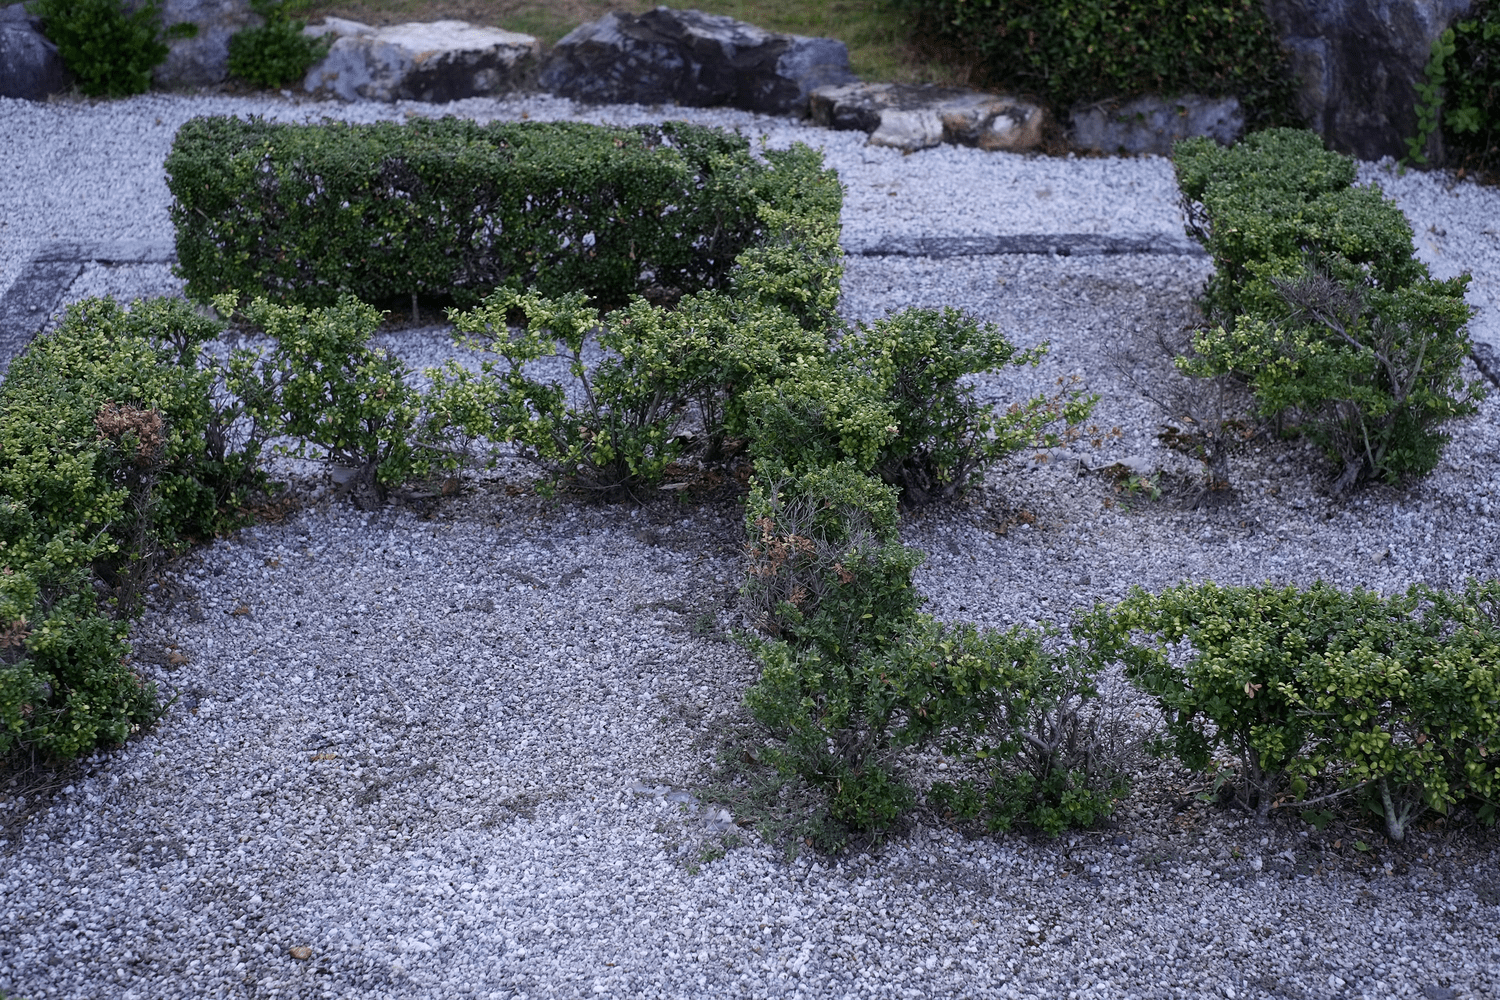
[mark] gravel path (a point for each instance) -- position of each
(454, 753)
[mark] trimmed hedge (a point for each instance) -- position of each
(115, 448)
(1286, 692)
(452, 209)
(1320, 305)
(1095, 49)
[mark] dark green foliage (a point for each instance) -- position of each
(1471, 104)
(1277, 688)
(106, 463)
(112, 52)
(453, 209)
(857, 679)
(670, 380)
(1097, 49)
(277, 53)
(1462, 92)
(1321, 307)
(892, 399)
(826, 569)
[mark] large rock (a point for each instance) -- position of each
(1151, 124)
(1357, 64)
(29, 64)
(693, 59)
(203, 60)
(911, 116)
(434, 61)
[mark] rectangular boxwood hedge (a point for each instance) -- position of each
(451, 209)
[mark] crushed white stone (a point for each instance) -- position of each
(456, 754)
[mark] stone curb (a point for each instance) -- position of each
(1059, 244)
(42, 283)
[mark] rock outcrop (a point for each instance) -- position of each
(30, 67)
(1151, 124)
(434, 61)
(916, 116)
(1357, 64)
(694, 59)
(202, 60)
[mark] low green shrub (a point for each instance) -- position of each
(276, 53)
(893, 398)
(647, 383)
(856, 679)
(1397, 699)
(826, 568)
(828, 574)
(1320, 306)
(341, 399)
(110, 50)
(113, 452)
(1097, 49)
(453, 209)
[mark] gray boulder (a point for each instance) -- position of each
(1357, 64)
(203, 60)
(692, 59)
(435, 61)
(911, 117)
(30, 67)
(1151, 124)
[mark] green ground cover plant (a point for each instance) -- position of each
(1100, 49)
(276, 53)
(1461, 94)
(111, 50)
(1320, 306)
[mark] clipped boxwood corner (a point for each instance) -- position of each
(1320, 306)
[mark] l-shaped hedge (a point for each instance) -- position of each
(1303, 695)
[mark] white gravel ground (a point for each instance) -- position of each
(449, 752)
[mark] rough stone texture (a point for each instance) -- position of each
(1151, 124)
(693, 59)
(435, 61)
(30, 67)
(203, 60)
(1357, 64)
(911, 117)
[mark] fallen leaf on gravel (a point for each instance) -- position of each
(301, 953)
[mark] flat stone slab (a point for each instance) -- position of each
(39, 288)
(910, 117)
(1059, 244)
(693, 59)
(1152, 124)
(433, 61)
